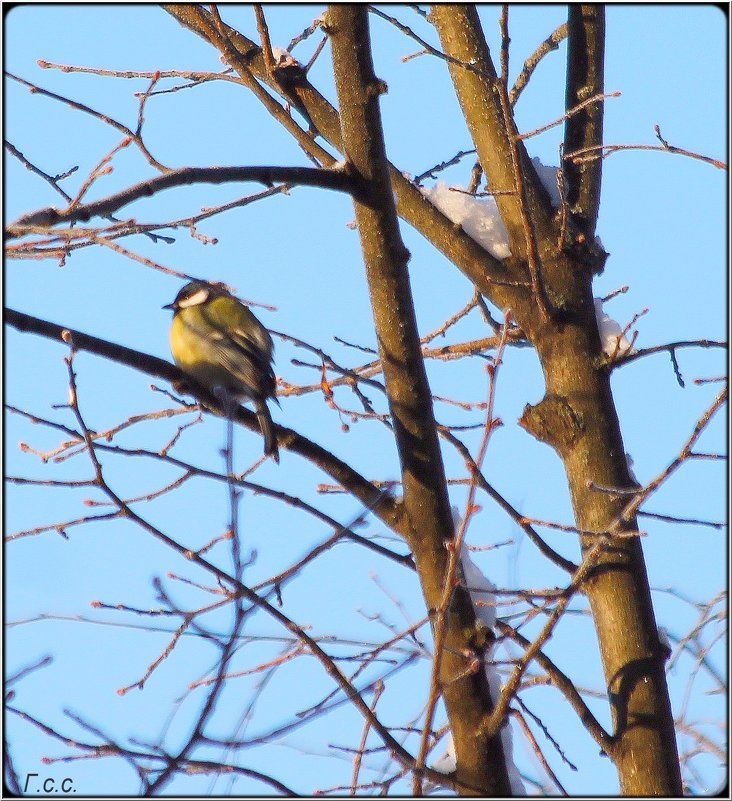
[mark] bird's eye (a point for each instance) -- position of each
(201, 296)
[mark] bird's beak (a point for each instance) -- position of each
(169, 306)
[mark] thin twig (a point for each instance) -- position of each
(603, 151)
(98, 114)
(543, 303)
(549, 44)
(264, 36)
(595, 99)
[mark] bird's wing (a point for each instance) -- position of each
(246, 352)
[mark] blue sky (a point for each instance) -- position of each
(663, 221)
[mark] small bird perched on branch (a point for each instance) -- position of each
(217, 341)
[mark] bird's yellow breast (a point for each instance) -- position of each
(197, 358)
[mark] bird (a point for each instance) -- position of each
(216, 340)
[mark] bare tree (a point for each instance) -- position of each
(540, 296)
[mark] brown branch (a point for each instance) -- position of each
(53, 180)
(565, 685)
(151, 365)
(228, 649)
(439, 623)
(487, 112)
(641, 496)
(381, 502)
(189, 469)
(428, 48)
(264, 36)
(549, 44)
(220, 35)
(520, 182)
(670, 347)
(533, 649)
(189, 765)
(454, 574)
(102, 168)
(576, 110)
(98, 114)
(339, 180)
(378, 690)
(63, 241)
(585, 79)
(535, 745)
(599, 152)
(443, 165)
(514, 514)
(425, 498)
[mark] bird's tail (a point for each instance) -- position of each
(267, 426)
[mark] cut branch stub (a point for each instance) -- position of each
(553, 420)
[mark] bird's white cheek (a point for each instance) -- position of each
(195, 299)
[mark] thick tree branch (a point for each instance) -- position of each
(480, 759)
(383, 505)
(585, 79)
(577, 417)
(339, 180)
(462, 37)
